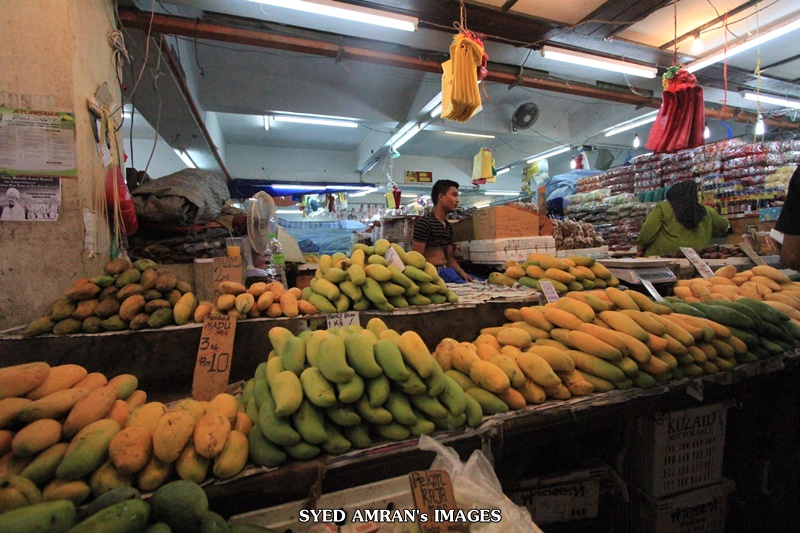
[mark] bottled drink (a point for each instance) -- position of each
(277, 261)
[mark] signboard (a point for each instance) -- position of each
(212, 368)
(701, 266)
(754, 257)
(340, 320)
(416, 176)
(549, 291)
(226, 269)
(433, 496)
(37, 143)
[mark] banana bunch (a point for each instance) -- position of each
(383, 276)
(575, 273)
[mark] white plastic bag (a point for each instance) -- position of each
(475, 486)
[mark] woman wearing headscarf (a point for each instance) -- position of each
(680, 220)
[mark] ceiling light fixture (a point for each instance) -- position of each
(406, 136)
(481, 135)
(348, 187)
(548, 153)
(436, 111)
(706, 132)
(266, 122)
(630, 124)
(288, 212)
(501, 193)
(347, 12)
(315, 121)
(767, 99)
(298, 186)
(636, 142)
(697, 44)
(746, 45)
(186, 158)
(588, 60)
(573, 164)
(503, 170)
(365, 192)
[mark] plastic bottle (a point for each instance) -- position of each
(277, 261)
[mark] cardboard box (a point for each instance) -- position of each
(503, 222)
(463, 230)
(564, 497)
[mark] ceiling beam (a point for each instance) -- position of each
(505, 74)
(710, 23)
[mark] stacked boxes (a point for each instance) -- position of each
(673, 469)
(502, 250)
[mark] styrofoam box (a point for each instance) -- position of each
(676, 451)
(565, 497)
(393, 493)
(699, 511)
(505, 245)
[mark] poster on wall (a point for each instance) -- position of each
(29, 198)
(415, 176)
(38, 143)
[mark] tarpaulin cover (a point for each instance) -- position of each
(681, 119)
(187, 198)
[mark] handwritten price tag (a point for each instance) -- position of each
(340, 320)
(212, 368)
(701, 266)
(432, 491)
(549, 291)
(226, 269)
(393, 259)
(754, 257)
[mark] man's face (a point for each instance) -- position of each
(12, 200)
(449, 200)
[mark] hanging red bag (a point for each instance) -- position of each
(129, 223)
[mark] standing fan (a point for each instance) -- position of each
(524, 117)
(260, 221)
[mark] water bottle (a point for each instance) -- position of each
(277, 265)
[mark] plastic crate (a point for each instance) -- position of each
(676, 451)
(699, 511)
(398, 228)
(562, 497)
(390, 494)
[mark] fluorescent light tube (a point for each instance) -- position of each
(481, 135)
(548, 153)
(746, 45)
(187, 160)
(406, 137)
(288, 212)
(436, 111)
(298, 186)
(503, 170)
(501, 193)
(266, 122)
(316, 121)
(351, 13)
(588, 60)
(774, 100)
(630, 124)
(362, 193)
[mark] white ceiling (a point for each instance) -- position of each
(233, 81)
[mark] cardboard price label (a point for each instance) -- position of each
(432, 491)
(340, 320)
(226, 269)
(754, 257)
(393, 259)
(701, 266)
(549, 291)
(212, 368)
(652, 290)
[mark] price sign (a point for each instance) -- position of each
(432, 491)
(340, 320)
(754, 257)
(393, 259)
(226, 269)
(652, 290)
(213, 364)
(549, 291)
(701, 266)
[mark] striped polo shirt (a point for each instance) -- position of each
(430, 230)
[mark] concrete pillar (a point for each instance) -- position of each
(54, 55)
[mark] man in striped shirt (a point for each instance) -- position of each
(433, 235)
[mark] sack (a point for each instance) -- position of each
(188, 197)
(475, 486)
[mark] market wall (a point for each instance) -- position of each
(54, 54)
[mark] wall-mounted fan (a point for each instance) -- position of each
(524, 117)
(260, 221)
